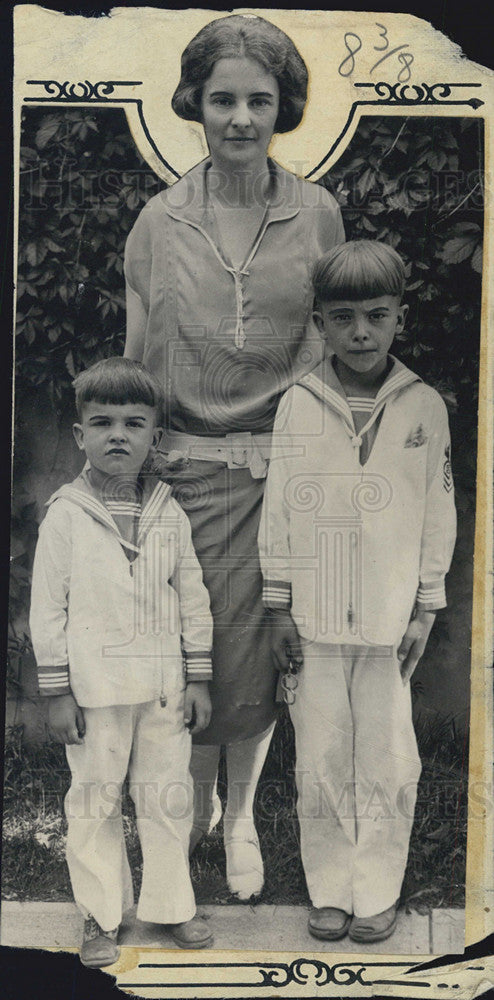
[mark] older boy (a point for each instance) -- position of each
(356, 537)
(122, 635)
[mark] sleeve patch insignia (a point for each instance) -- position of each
(416, 438)
(447, 471)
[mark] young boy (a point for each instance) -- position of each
(122, 635)
(356, 537)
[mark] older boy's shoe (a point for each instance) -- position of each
(99, 947)
(375, 928)
(191, 933)
(328, 923)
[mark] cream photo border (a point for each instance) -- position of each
(95, 62)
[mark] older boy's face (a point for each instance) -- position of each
(361, 333)
(117, 438)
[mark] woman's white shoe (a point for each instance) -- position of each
(244, 867)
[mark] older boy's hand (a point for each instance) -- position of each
(414, 642)
(66, 719)
(197, 708)
(286, 647)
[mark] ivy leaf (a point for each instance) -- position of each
(69, 364)
(35, 253)
(365, 181)
(476, 261)
(47, 131)
(459, 248)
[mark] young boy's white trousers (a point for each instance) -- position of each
(152, 746)
(357, 771)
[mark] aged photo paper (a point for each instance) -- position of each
(397, 130)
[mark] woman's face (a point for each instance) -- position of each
(239, 109)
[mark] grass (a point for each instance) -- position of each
(36, 780)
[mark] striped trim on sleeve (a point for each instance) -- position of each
(277, 594)
(198, 666)
(54, 680)
(431, 596)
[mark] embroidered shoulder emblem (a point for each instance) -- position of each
(447, 471)
(416, 438)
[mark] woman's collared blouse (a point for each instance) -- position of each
(227, 342)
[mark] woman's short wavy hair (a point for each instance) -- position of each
(247, 37)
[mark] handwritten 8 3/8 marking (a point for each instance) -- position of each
(354, 43)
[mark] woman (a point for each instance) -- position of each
(219, 304)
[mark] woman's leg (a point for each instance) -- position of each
(244, 762)
(207, 806)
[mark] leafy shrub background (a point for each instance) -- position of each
(415, 182)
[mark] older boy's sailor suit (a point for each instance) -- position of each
(358, 527)
(358, 545)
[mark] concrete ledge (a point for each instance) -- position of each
(236, 927)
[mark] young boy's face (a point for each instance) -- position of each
(361, 333)
(117, 437)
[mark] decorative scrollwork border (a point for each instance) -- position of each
(423, 93)
(405, 95)
(302, 971)
(81, 91)
(85, 92)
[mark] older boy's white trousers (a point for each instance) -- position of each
(357, 771)
(151, 744)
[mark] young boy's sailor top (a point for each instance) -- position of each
(113, 620)
(358, 526)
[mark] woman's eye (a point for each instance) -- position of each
(222, 101)
(260, 102)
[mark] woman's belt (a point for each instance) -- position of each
(241, 450)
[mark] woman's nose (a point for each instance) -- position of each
(241, 114)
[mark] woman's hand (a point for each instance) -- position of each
(286, 647)
(414, 642)
(197, 708)
(66, 719)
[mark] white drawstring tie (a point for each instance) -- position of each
(239, 303)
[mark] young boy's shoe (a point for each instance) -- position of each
(375, 928)
(328, 923)
(192, 933)
(99, 947)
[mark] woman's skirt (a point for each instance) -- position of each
(224, 508)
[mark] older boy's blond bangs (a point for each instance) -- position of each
(359, 270)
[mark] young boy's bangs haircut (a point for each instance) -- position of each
(358, 270)
(118, 381)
